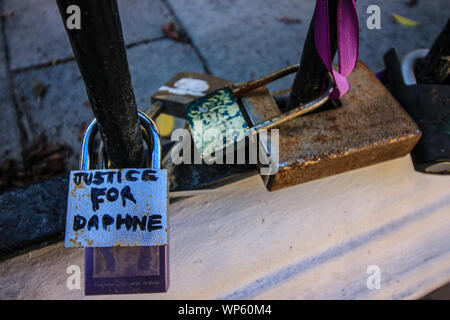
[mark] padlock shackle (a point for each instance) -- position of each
(150, 133)
(299, 110)
(87, 145)
(408, 65)
(149, 126)
(242, 88)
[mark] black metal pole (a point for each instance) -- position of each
(435, 68)
(312, 75)
(99, 49)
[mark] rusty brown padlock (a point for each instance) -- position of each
(369, 127)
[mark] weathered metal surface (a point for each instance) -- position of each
(125, 207)
(100, 52)
(193, 177)
(216, 121)
(429, 106)
(259, 106)
(177, 92)
(309, 80)
(435, 67)
(369, 127)
(120, 207)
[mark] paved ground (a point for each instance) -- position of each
(237, 40)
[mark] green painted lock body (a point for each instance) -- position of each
(216, 121)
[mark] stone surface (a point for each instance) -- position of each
(375, 43)
(10, 134)
(311, 241)
(243, 39)
(64, 110)
(153, 64)
(32, 214)
(36, 33)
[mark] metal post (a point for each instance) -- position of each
(312, 75)
(100, 52)
(435, 68)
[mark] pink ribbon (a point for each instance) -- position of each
(348, 41)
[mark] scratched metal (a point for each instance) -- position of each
(369, 127)
(259, 106)
(149, 192)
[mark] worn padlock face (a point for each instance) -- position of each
(216, 121)
(108, 208)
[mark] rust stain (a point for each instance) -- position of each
(320, 139)
(75, 243)
(76, 187)
(369, 127)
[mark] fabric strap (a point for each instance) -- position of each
(348, 41)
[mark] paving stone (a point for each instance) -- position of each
(243, 39)
(153, 64)
(10, 136)
(375, 43)
(64, 110)
(33, 214)
(36, 33)
(142, 19)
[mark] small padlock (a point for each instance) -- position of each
(224, 111)
(118, 207)
(151, 217)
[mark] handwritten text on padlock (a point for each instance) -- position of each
(117, 208)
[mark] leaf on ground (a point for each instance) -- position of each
(39, 89)
(289, 20)
(87, 104)
(405, 21)
(173, 31)
(7, 15)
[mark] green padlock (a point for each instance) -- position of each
(222, 111)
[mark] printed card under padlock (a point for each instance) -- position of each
(108, 208)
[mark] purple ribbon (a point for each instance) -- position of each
(348, 41)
